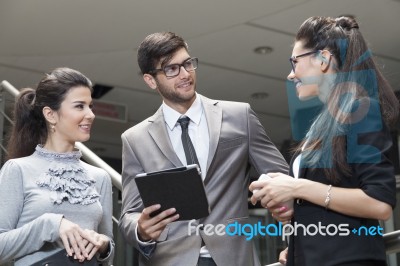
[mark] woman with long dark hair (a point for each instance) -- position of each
(344, 181)
(50, 200)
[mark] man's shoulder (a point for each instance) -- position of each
(139, 127)
(224, 103)
(234, 104)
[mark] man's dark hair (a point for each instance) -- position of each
(158, 46)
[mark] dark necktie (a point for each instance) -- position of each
(190, 153)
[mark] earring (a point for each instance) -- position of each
(53, 128)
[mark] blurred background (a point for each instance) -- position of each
(243, 49)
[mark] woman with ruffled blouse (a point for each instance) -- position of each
(50, 200)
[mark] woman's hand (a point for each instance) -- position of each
(92, 248)
(283, 256)
(275, 191)
(102, 243)
(73, 238)
(283, 213)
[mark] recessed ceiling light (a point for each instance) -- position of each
(263, 50)
(259, 95)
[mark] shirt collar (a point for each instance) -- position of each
(194, 113)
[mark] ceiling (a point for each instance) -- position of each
(100, 37)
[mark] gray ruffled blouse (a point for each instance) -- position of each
(37, 191)
(66, 178)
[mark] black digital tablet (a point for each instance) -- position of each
(181, 188)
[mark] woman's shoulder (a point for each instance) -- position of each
(20, 163)
(14, 170)
(10, 164)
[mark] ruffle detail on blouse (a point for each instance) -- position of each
(68, 182)
(72, 156)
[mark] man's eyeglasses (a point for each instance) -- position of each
(293, 59)
(173, 70)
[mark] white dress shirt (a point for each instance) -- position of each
(198, 132)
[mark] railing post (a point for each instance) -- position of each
(389, 227)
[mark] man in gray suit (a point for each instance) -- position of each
(228, 140)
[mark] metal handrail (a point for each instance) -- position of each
(392, 242)
(95, 160)
(9, 88)
(87, 154)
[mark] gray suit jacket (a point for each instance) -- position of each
(237, 141)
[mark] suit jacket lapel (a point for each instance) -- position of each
(158, 132)
(214, 119)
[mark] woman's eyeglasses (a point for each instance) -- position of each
(293, 59)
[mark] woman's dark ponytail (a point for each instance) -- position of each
(29, 127)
